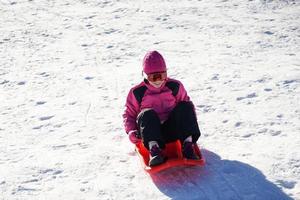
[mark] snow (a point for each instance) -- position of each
(66, 68)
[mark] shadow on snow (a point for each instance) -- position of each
(218, 179)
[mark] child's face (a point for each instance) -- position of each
(157, 76)
(157, 84)
(157, 79)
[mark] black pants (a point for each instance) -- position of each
(181, 124)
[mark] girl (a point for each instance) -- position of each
(158, 111)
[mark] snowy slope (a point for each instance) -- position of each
(66, 68)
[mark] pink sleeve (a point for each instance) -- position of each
(182, 94)
(130, 113)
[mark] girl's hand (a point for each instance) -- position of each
(133, 137)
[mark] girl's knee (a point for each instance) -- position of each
(146, 110)
(148, 113)
(184, 106)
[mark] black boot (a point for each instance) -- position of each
(156, 156)
(188, 151)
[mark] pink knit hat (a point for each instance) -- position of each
(153, 62)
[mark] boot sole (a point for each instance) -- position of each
(157, 161)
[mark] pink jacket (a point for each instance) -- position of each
(162, 100)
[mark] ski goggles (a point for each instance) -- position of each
(157, 76)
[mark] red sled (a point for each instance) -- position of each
(173, 152)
